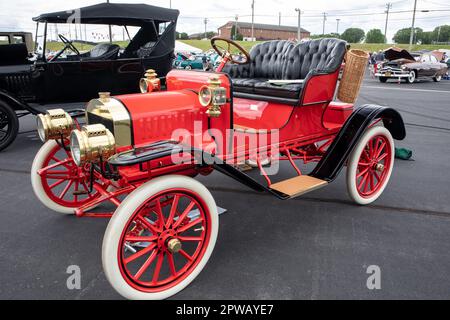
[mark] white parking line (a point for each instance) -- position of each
(405, 89)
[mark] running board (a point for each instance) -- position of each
(297, 186)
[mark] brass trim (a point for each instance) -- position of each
(174, 245)
(150, 82)
(56, 123)
(115, 111)
(95, 142)
(213, 96)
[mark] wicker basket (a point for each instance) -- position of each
(355, 67)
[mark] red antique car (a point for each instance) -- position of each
(140, 153)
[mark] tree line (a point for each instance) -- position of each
(357, 35)
(402, 36)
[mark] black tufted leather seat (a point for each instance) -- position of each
(103, 51)
(283, 60)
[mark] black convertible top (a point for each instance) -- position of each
(112, 13)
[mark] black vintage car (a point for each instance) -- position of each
(66, 70)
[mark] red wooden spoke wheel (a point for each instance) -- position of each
(373, 166)
(172, 241)
(160, 238)
(58, 182)
(370, 165)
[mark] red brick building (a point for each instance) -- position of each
(262, 31)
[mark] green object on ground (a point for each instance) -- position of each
(403, 154)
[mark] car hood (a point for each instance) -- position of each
(399, 62)
(397, 53)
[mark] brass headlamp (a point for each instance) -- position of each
(55, 124)
(150, 82)
(213, 96)
(91, 144)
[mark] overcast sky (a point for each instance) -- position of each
(366, 14)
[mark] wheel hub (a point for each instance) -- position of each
(379, 167)
(168, 241)
(174, 245)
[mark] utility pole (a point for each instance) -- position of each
(236, 27)
(411, 37)
(253, 20)
(109, 27)
(388, 7)
(206, 25)
(439, 34)
(337, 25)
(324, 19)
(299, 31)
(279, 19)
(170, 4)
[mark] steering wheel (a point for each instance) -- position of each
(228, 54)
(67, 44)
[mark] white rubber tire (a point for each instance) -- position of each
(36, 181)
(354, 160)
(120, 219)
(412, 77)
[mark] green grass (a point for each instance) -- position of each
(82, 47)
(205, 45)
(375, 46)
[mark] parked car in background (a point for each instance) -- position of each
(68, 69)
(194, 62)
(12, 38)
(401, 64)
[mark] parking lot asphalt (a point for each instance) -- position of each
(314, 247)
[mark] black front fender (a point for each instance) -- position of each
(16, 103)
(332, 162)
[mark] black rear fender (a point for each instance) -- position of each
(351, 132)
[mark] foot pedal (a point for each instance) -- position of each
(244, 167)
(297, 186)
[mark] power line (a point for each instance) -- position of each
(328, 14)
